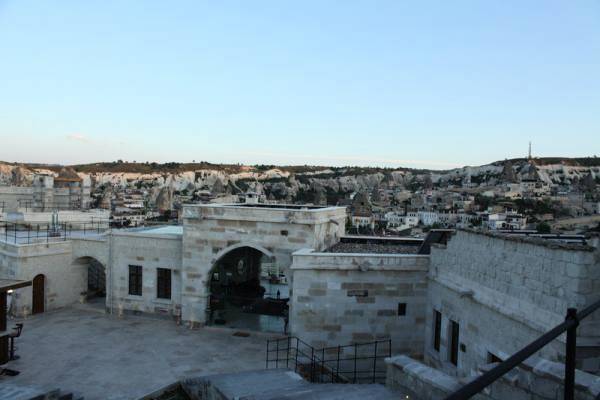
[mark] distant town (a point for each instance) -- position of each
(529, 194)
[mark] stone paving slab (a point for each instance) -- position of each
(103, 357)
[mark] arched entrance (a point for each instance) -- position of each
(95, 282)
(247, 291)
(38, 297)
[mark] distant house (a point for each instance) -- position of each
(361, 212)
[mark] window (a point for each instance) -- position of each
(135, 280)
(401, 309)
(163, 283)
(437, 329)
(454, 328)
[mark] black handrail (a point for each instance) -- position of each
(34, 232)
(570, 325)
(337, 368)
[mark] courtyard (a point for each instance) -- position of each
(83, 350)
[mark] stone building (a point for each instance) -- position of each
(361, 290)
(169, 270)
(66, 191)
(488, 296)
(484, 284)
(361, 212)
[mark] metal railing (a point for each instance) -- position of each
(355, 363)
(37, 206)
(569, 326)
(31, 233)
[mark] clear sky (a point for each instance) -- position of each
(391, 83)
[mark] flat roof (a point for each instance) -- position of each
(556, 241)
(376, 245)
(161, 230)
(286, 206)
(264, 206)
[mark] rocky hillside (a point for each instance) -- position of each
(302, 183)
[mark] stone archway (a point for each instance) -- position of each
(94, 289)
(246, 290)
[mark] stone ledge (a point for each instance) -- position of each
(431, 376)
(529, 240)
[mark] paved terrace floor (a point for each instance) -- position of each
(83, 350)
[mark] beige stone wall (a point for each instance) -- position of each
(151, 251)
(61, 262)
(11, 195)
(64, 281)
(340, 299)
(534, 379)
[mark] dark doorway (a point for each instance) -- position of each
(38, 298)
(247, 292)
(96, 285)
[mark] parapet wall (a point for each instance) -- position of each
(536, 378)
(531, 280)
(340, 299)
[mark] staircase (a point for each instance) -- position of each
(9, 391)
(355, 363)
(280, 384)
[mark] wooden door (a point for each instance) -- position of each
(38, 295)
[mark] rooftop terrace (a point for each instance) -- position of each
(158, 230)
(123, 358)
(25, 233)
(278, 206)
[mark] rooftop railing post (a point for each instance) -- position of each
(312, 364)
(355, 346)
(296, 362)
(571, 350)
(337, 366)
(321, 371)
(267, 358)
(375, 363)
(287, 353)
(277, 355)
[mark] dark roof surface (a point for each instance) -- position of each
(373, 248)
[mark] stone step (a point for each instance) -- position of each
(339, 392)
(9, 391)
(254, 383)
(282, 384)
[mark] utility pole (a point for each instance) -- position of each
(529, 156)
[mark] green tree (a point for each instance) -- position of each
(543, 227)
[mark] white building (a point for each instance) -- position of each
(428, 218)
(506, 220)
(401, 220)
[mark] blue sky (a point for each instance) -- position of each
(422, 84)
